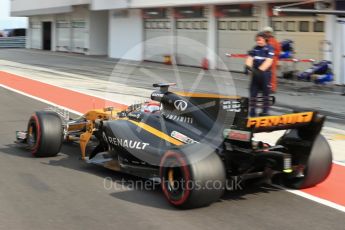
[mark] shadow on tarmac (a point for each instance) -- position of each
(127, 187)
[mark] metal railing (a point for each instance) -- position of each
(12, 42)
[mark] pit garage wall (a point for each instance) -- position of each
(336, 34)
(70, 31)
(191, 30)
(35, 28)
(168, 32)
(308, 34)
(216, 38)
(157, 31)
(80, 30)
(63, 32)
(341, 52)
(126, 34)
(35, 33)
(236, 33)
(99, 24)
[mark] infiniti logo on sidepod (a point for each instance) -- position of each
(180, 105)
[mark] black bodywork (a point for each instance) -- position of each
(182, 137)
(201, 119)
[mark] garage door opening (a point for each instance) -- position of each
(47, 35)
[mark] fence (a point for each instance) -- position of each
(12, 42)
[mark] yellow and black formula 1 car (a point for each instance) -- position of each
(192, 143)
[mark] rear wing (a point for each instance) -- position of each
(304, 121)
(307, 125)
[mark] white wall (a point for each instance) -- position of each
(28, 38)
(80, 36)
(63, 35)
(341, 78)
(99, 32)
(212, 37)
(35, 34)
(330, 32)
(108, 4)
(126, 35)
(91, 40)
(338, 50)
(35, 41)
(121, 4)
(335, 34)
(26, 5)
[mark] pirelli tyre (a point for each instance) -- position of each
(317, 168)
(45, 134)
(190, 182)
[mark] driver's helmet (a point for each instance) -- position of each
(150, 107)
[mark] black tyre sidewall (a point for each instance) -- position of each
(201, 174)
(49, 134)
(317, 168)
(319, 163)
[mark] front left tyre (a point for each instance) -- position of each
(45, 134)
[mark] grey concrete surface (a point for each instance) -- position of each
(290, 95)
(65, 193)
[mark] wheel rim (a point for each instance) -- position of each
(176, 177)
(175, 182)
(32, 136)
(171, 177)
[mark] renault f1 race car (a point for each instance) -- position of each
(191, 143)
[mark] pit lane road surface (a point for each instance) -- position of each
(64, 66)
(65, 193)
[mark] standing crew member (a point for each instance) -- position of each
(259, 62)
(272, 41)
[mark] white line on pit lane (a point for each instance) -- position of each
(313, 198)
(339, 163)
(40, 99)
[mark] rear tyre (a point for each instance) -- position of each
(317, 168)
(45, 134)
(187, 183)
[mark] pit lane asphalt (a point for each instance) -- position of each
(290, 95)
(65, 193)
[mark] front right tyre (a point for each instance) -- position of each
(188, 183)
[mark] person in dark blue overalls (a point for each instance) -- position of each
(259, 63)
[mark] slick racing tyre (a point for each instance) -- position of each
(45, 134)
(187, 183)
(317, 168)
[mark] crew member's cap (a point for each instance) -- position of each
(268, 29)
